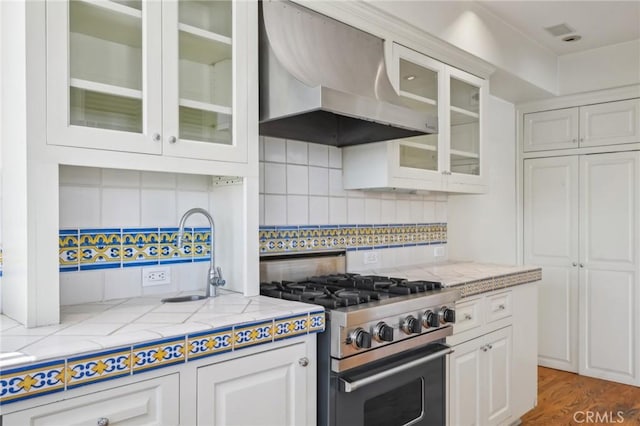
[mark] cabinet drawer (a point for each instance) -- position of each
(467, 315)
(498, 306)
(154, 401)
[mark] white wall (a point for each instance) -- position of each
(483, 227)
(602, 68)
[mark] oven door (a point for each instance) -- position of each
(407, 389)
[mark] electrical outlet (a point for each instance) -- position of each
(438, 251)
(158, 275)
(370, 257)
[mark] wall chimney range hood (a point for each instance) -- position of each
(323, 81)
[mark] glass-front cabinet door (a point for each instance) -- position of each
(103, 75)
(205, 79)
(466, 96)
(418, 81)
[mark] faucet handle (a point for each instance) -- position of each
(219, 280)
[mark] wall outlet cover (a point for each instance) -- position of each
(157, 275)
(438, 251)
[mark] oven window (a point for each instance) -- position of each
(400, 406)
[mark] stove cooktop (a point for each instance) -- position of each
(342, 290)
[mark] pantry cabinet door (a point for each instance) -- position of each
(209, 63)
(546, 130)
(609, 266)
(610, 123)
(269, 388)
(551, 241)
(103, 75)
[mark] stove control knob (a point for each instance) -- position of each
(430, 319)
(411, 325)
(360, 339)
(383, 332)
(447, 315)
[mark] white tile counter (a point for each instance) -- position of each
(137, 330)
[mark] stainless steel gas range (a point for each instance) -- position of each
(381, 360)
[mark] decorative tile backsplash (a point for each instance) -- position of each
(0, 261)
(105, 248)
(288, 239)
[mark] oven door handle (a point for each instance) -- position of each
(352, 386)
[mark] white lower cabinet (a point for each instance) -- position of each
(480, 380)
(268, 388)
(149, 402)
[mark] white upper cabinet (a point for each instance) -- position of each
(450, 158)
(609, 123)
(157, 77)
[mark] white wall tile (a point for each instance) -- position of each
(297, 179)
(191, 276)
(416, 208)
(275, 209)
(403, 211)
(81, 287)
(318, 181)
(158, 180)
(387, 211)
(120, 178)
(261, 148)
(122, 283)
(261, 209)
(297, 210)
(355, 210)
(441, 211)
(158, 207)
(297, 152)
(261, 178)
(74, 175)
(335, 183)
(275, 178)
(120, 207)
(337, 211)
(193, 182)
(79, 207)
(275, 150)
(318, 210)
(429, 211)
(318, 155)
(190, 199)
(335, 157)
(372, 210)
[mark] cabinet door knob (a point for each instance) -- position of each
(172, 139)
(304, 361)
(103, 421)
(574, 140)
(156, 137)
(582, 265)
(484, 348)
(574, 264)
(467, 316)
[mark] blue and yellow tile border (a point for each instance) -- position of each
(44, 378)
(295, 239)
(0, 261)
(105, 248)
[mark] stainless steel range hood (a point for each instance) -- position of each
(326, 82)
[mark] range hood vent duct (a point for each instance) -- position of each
(326, 82)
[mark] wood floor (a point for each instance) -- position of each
(569, 399)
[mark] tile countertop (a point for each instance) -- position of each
(94, 327)
(469, 277)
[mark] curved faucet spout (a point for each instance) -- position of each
(214, 277)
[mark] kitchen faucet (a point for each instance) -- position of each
(214, 277)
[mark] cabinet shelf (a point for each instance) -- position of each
(421, 146)
(107, 89)
(107, 21)
(203, 106)
(463, 116)
(455, 153)
(204, 47)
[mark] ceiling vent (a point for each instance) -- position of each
(560, 30)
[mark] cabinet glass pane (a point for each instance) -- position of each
(206, 71)
(419, 152)
(418, 86)
(105, 55)
(465, 128)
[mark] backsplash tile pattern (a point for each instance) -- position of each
(287, 239)
(0, 261)
(58, 375)
(106, 248)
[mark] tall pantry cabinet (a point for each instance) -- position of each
(581, 223)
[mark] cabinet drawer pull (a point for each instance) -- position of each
(501, 307)
(156, 137)
(490, 346)
(103, 421)
(467, 316)
(172, 139)
(304, 361)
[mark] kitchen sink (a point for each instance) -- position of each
(178, 299)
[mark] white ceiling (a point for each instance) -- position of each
(600, 23)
